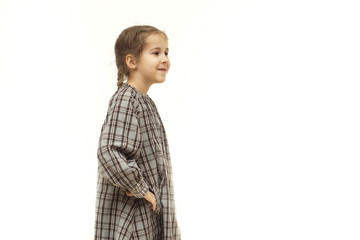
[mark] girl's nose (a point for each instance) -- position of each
(164, 59)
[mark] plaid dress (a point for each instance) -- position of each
(133, 155)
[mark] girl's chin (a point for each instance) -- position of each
(160, 80)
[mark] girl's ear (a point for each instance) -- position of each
(130, 61)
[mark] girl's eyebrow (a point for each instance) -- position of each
(158, 48)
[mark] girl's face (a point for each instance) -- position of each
(154, 63)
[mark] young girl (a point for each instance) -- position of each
(135, 196)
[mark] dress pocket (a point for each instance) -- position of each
(158, 208)
(157, 191)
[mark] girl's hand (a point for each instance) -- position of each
(149, 196)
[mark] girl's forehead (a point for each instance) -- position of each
(156, 40)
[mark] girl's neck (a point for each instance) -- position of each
(140, 86)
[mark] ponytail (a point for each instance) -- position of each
(120, 78)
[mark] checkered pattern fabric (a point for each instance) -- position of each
(133, 155)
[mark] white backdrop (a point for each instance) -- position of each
(261, 108)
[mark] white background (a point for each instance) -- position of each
(261, 108)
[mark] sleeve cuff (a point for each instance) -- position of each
(140, 189)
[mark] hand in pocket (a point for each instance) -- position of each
(149, 196)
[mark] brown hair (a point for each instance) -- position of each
(131, 41)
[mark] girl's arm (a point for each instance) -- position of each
(120, 141)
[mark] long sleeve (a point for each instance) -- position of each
(119, 144)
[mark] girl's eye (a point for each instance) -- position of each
(157, 53)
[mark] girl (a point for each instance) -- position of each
(135, 196)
